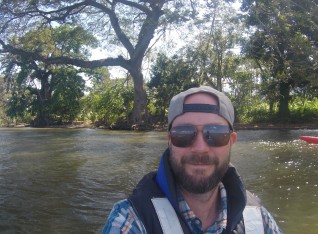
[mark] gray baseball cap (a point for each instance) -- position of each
(224, 107)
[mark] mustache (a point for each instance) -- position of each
(200, 159)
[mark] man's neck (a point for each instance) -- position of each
(206, 206)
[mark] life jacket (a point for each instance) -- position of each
(161, 184)
(169, 221)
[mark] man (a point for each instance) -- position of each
(196, 189)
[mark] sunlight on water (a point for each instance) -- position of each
(291, 177)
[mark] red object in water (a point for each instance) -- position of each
(309, 139)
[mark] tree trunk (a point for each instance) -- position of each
(43, 97)
(140, 99)
(219, 75)
(283, 111)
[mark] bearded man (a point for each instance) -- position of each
(195, 189)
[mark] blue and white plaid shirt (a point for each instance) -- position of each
(123, 219)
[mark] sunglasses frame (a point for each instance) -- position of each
(214, 135)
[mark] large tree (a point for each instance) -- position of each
(125, 29)
(283, 44)
(169, 77)
(213, 52)
(42, 87)
(208, 60)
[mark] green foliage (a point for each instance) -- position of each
(18, 106)
(68, 86)
(212, 51)
(59, 41)
(304, 110)
(71, 40)
(48, 93)
(61, 105)
(284, 45)
(4, 97)
(244, 92)
(169, 76)
(126, 28)
(258, 113)
(109, 102)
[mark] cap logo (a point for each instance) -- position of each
(205, 108)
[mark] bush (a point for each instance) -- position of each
(301, 111)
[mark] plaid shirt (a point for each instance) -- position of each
(123, 219)
(195, 223)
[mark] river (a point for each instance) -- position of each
(66, 180)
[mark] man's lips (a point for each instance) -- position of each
(200, 163)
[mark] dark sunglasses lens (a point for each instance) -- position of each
(182, 136)
(216, 135)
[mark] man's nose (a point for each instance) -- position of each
(199, 144)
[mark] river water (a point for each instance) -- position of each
(66, 180)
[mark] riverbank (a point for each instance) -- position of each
(278, 126)
(237, 126)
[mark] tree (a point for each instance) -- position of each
(209, 60)
(68, 89)
(283, 44)
(213, 51)
(169, 77)
(120, 24)
(244, 86)
(33, 82)
(109, 102)
(4, 96)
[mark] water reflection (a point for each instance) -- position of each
(287, 177)
(66, 180)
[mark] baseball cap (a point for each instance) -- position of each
(224, 108)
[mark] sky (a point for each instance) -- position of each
(170, 44)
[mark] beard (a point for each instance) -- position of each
(198, 183)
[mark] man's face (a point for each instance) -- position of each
(199, 167)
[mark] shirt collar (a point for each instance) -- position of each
(195, 223)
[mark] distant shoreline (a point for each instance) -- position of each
(238, 126)
(276, 126)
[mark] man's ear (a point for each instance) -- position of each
(233, 138)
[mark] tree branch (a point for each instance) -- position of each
(119, 61)
(135, 5)
(115, 24)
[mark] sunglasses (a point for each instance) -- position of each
(214, 135)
